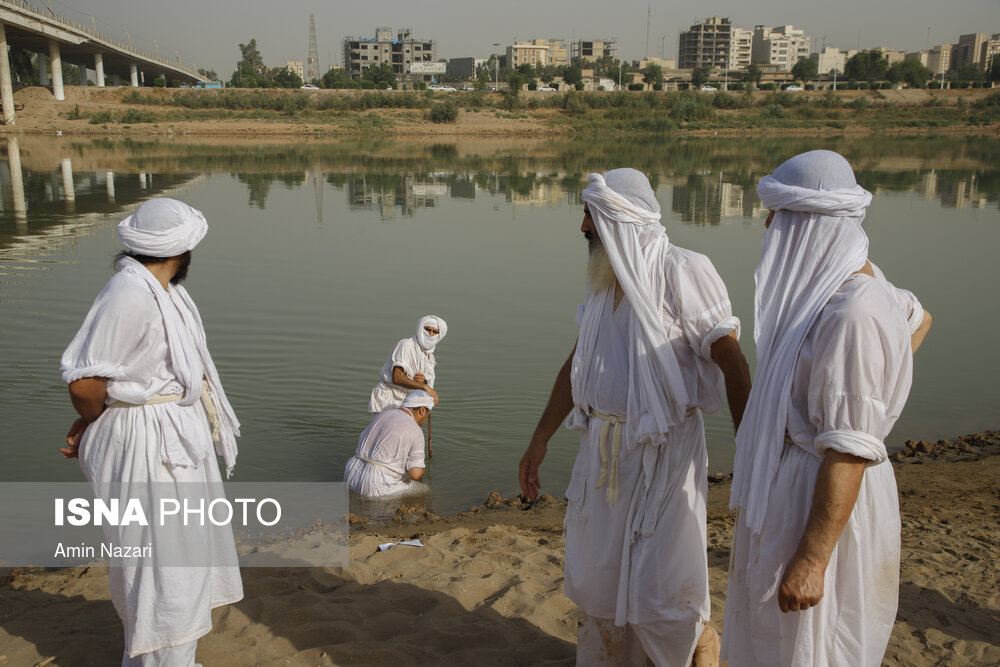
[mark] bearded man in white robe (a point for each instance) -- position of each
(152, 410)
(814, 568)
(657, 343)
(410, 366)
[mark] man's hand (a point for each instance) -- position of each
(433, 394)
(420, 377)
(527, 469)
(801, 585)
(72, 449)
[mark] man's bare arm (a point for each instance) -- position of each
(88, 396)
(836, 493)
(559, 405)
(917, 339)
(400, 378)
(727, 355)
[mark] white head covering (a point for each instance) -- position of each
(426, 341)
(163, 227)
(815, 242)
(627, 217)
(418, 398)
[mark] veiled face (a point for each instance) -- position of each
(432, 331)
(587, 226)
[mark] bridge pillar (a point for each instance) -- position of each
(134, 73)
(43, 69)
(99, 68)
(6, 87)
(109, 181)
(69, 194)
(56, 59)
(16, 178)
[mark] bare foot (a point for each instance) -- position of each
(706, 653)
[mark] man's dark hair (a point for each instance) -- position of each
(142, 259)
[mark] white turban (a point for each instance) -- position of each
(815, 242)
(426, 341)
(418, 398)
(163, 227)
(627, 217)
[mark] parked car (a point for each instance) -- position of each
(468, 88)
(708, 89)
(793, 89)
(546, 89)
(441, 88)
(309, 86)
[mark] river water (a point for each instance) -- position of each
(320, 256)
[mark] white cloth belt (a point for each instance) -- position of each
(377, 463)
(206, 401)
(611, 423)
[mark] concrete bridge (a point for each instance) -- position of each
(56, 39)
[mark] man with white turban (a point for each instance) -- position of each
(814, 567)
(410, 366)
(152, 409)
(657, 343)
(390, 454)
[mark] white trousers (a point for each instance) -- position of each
(172, 656)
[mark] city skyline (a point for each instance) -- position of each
(207, 34)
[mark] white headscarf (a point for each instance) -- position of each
(627, 217)
(426, 341)
(163, 227)
(815, 242)
(418, 398)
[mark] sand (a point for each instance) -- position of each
(486, 588)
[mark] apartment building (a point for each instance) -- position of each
(581, 51)
(829, 59)
(534, 53)
(740, 48)
(295, 67)
(781, 46)
(706, 44)
(937, 60)
(402, 53)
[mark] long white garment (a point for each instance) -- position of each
(850, 382)
(641, 560)
(390, 446)
(413, 359)
(125, 340)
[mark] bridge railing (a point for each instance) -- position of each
(23, 6)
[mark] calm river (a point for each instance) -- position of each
(321, 256)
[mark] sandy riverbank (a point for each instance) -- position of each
(486, 589)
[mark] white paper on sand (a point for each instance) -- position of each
(409, 543)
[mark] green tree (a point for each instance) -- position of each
(515, 81)
(806, 69)
(909, 71)
(572, 74)
(21, 66)
(336, 77)
(285, 78)
(381, 76)
(526, 69)
(250, 69)
(209, 74)
(699, 76)
(652, 75)
(967, 72)
(754, 75)
(870, 66)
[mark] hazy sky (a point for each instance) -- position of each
(207, 33)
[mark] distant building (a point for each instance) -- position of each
(706, 44)
(665, 64)
(970, 49)
(295, 67)
(411, 59)
(534, 53)
(740, 48)
(991, 50)
(781, 46)
(891, 55)
(937, 60)
(582, 51)
(829, 59)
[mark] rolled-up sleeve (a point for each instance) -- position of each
(706, 312)
(112, 331)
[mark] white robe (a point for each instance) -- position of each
(123, 339)
(642, 560)
(392, 444)
(412, 359)
(850, 383)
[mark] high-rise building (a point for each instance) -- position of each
(740, 48)
(403, 53)
(706, 44)
(781, 46)
(970, 49)
(581, 51)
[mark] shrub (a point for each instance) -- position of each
(774, 111)
(136, 116)
(688, 109)
(860, 104)
(444, 112)
(100, 118)
(736, 86)
(683, 86)
(767, 86)
(636, 86)
(160, 82)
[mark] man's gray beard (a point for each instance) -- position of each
(600, 272)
